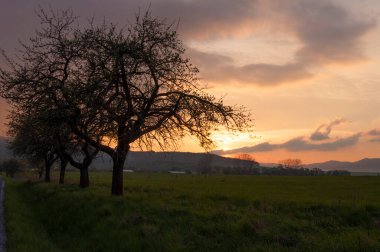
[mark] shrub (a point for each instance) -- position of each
(11, 167)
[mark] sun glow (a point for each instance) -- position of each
(227, 140)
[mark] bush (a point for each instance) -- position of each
(11, 167)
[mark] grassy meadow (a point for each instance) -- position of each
(167, 212)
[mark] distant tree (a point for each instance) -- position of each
(291, 163)
(338, 173)
(249, 158)
(245, 156)
(31, 140)
(135, 85)
(11, 167)
(205, 163)
(42, 135)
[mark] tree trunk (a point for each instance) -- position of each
(47, 171)
(62, 171)
(117, 173)
(40, 172)
(84, 179)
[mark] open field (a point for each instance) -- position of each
(166, 212)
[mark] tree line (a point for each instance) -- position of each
(77, 90)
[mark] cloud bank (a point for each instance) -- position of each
(327, 32)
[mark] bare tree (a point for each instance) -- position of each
(135, 86)
(248, 158)
(293, 163)
(245, 156)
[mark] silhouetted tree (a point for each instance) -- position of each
(81, 159)
(31, 140)
(43, 135)
(249, 158)
(134, 85)
(11, 167)
(293, 163)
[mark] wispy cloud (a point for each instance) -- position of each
(323, 131)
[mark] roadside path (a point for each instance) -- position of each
(2, 228)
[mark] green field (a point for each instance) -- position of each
(166, 212)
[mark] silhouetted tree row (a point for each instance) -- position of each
(79, 90)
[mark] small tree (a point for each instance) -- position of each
(291, 163)
(40, 135)
(249, 158)
(135, 86)
(11, 167)
(31, 139)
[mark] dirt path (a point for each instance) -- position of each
(2, 228)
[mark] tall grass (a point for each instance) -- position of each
(166, 212)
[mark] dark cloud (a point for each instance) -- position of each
(270, 74)
(300, 144)
(222, 68)
(197, 19)
(323, 131)
(210, 19)
(375, 135)
(297, 144)
(330, 33)
(374, 132)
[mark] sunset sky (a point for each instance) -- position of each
(308, 70)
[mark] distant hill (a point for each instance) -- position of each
(166, 161)
(364, 165)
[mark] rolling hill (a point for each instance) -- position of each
(364, 165)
